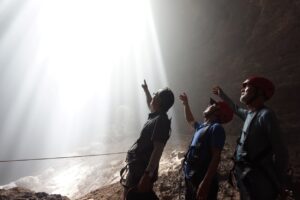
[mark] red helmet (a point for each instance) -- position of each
(225, 114)
(262, 83)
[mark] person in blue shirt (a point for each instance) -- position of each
(261, 157)
(203, 156)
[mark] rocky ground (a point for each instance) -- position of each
(23, 194)
(170, 185)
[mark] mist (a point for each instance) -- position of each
(71, 75)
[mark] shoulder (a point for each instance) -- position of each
(217, 131)
(161, 131)
(198, 125)
(218, 136)
(266, 111)
(163, 118)
(217, 127)
(266, 114)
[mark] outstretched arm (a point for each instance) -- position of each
(187, 110)
(242, 113)
(147, 93)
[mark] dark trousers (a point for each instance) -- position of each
(132, 179)
(255, 185)
(191, 189)
(132, 194)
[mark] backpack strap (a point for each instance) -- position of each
(247, 133)
(255, 162)
(231, 177)
(266, 151)
(198, 142)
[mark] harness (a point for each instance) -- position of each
(243, 167)
(130, 159)
(136, 162)
(192, 157)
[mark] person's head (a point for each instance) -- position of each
(219, 111)
(162, 100)
(256, 89)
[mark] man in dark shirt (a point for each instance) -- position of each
(203, 156)
(261, 158)
(144, 155)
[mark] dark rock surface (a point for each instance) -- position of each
(222, 42)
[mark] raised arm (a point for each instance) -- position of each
(187, 110)
(147, 93)
(242, 113)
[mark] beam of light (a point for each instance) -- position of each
(71, 75)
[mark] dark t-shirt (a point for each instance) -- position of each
(157, 128)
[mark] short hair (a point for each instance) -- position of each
(166, 97)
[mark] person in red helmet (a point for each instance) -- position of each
(203, 156)
(261, 157)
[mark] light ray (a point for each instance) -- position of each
(75, 75)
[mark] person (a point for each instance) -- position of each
(261, 158)
(144, 155)
(203, 156)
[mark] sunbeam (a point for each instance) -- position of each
(71, 76)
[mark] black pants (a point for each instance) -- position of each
(132, 194)
(255, 185)
(135, 173)
(191, 189)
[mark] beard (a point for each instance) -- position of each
(246, 98)
(243, 99)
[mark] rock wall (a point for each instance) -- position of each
(222, 42)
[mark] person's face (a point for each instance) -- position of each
(211, 109)
(247, 93)
(155, 102)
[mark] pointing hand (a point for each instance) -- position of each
(217, 90)
(144, 85)
(184, 99)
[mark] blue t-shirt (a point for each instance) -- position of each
(214, 138)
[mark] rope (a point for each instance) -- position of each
(62, 157)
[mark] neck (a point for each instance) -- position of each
(208, 120)
(154, 109)
(256, 105)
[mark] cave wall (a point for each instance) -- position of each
(222, 42)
